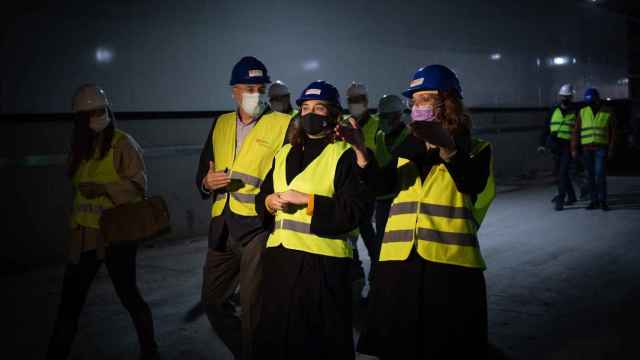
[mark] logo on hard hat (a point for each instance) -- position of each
(417, 82)
(313, 92)
(255, 73)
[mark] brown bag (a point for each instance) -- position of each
(135, 222)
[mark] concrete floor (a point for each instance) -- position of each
(561, 285)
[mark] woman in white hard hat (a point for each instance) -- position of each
(106, 169)
(312, 198)
(429, 297)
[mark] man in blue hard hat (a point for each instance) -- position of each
(594, 131)
(236, 157)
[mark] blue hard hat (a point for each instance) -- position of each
(434, 77)
(320, 90)
(591, 94)
(249, 70)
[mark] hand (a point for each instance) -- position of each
(353, 135)
(276, 203)
(215, 179)
(91, 190)
(433, 133)
(295, 197)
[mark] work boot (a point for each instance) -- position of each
(592, 205)
(559, 206)
(571, 201)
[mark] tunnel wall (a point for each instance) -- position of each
(42, 193)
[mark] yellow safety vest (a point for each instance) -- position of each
(87, 212)
(594, 129)
(252, 163)
(441, 222)
(293, 229)
(561, 125)
(369, 130)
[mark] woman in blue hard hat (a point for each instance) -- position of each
(312, 198)
(429, 298)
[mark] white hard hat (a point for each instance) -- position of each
(89, 97)
(278, 88)
(566, 90)
(390, 104)
(356, 89)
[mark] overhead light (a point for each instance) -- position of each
(104, 55)
(623, 81)
(311, 65)
(495, 56)
(560, 60)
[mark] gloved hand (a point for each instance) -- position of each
(92, 190)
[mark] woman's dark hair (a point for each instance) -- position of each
(84, 141)
(297, 135)
(453, 115)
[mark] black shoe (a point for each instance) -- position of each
(571, 201)
(605, 207)
(558, 206)
(592, 205)
(555, 198)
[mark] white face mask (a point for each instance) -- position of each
(99, 123)
(252, 104)
(357, 110)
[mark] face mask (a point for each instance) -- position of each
(313, 123)
(388, 123)
(252, 104)
(423, 113)
(357, 110)
(99, 123)
(279, 106)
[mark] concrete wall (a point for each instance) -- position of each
(42, 193)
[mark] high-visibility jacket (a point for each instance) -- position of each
(441, 222)
(87, 212)
(383, 152)
(594, 129)
(561, 125)
(293, 229)
(253, 161)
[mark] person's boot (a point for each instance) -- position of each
(559, 206)
(592, 205)
(64, 331)
(143, 322)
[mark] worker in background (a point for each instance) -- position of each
(313, 197)
(561, 124)
(236, 157)
(358, 105)
(429, 298)
(107, 169)
(280, 98)
(594, 131)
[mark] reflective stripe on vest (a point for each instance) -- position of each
(293, 229)
(435, 217)
(87, 212)
(253, 161)
(594, 129)
(561, 125)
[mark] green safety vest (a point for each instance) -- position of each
(87, 212)
(561, 125)
(594, 129)
(293, 229)
(441, 222)
(249, 167)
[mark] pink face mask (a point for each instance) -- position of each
(423, 113)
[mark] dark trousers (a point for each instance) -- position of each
(595, 162)
(237, 264)
(121, 265)
(565, 186)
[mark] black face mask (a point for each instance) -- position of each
(314, 124)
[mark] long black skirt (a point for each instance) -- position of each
(306, 308)
(425, 310)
